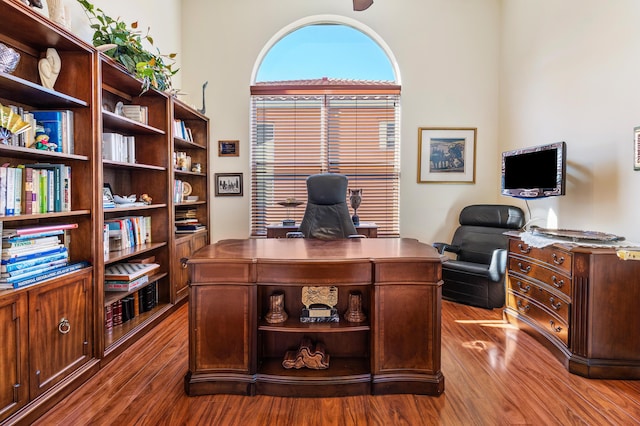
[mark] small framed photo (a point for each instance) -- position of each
(446, 154)
(636, 148)
(228, 184)
(107, 194)
(228, 148)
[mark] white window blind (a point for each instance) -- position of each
(294, 136)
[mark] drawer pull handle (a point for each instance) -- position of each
(524, 308)
(183, 262)
(557, 283)
(64, 327)
(556, 260)
(554, 328)
(524, 270)
(524, 249)
(525, 289)
(554, 305)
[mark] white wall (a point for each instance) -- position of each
(570, 71)
(447, 51)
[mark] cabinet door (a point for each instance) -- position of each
(13, 356)
(60, 323)
(181, 276)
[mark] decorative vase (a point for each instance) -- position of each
(354, 312)
(276, 313)
(355, 198)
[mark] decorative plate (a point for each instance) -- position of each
(186, 188)
(576, 235)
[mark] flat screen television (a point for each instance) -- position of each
(535, 172)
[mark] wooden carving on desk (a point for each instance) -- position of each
(308, 355)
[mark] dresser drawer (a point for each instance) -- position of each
(551, 277)
(553, 301)
(553, 256)
(537, 315)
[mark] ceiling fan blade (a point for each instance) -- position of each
(359, 5)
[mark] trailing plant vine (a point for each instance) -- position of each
(154, 69)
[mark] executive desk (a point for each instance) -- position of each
(368, 229)
(233, 349)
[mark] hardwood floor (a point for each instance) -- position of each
(494, 375)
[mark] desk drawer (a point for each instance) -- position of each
(533, 270)
(552, 256)
(315, 273)
(538, 315)
(553, 301)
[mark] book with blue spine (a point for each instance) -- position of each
(55, 272)
(33, 263)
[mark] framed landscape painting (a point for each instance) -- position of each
(446, 154)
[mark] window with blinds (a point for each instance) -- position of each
(297, 135)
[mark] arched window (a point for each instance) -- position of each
(317, 106)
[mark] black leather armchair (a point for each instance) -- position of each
(326, 215)
(476, 276)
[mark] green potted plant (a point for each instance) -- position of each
(154, 69)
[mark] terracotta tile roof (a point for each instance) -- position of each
(324, 84)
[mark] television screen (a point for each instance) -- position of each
(534, 172)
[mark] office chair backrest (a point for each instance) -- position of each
(482, 228)
(326, 215)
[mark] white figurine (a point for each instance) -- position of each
(49, 68)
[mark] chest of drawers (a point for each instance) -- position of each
(580, 303)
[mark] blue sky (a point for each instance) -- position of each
(317, 51)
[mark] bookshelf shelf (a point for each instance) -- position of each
(51, 215)
(116, 122)
(120, 255)
(132, 166)
(114, 296)
(35, 154)
(116, 337)
(24, 91)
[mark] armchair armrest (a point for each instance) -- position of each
(442, 247)
(498, 265)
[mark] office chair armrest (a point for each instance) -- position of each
(442, 247)
(498, 265)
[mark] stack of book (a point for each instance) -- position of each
(34, 254)
(117, 147)
(181, 131)
(131, 306)
(186, 222)
(139, 113)
(128, 276)
(35, 188)
(128, 231)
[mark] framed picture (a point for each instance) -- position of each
(636, 148)
(107, 194)
(446, 154)
(228, 184)
(228, 148)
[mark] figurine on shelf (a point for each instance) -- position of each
(145, 198)
(42, 142)
(49, 68)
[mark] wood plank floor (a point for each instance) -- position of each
(494, 375)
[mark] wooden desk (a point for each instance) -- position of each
(232, 349)
(368, 229)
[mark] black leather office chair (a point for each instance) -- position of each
(476, 276)
(326, 215)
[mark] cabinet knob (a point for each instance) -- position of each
(64, 326)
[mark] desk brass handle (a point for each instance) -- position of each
(524, 249)
(555, 305)
(557, 260)
(64, 326)
(524, 270)
(525, 289)
(554, 328)
(557, 283)
(523, 308)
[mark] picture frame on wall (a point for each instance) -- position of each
(447, 154)
(636, 148)
(228, 184)
(228, 148)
